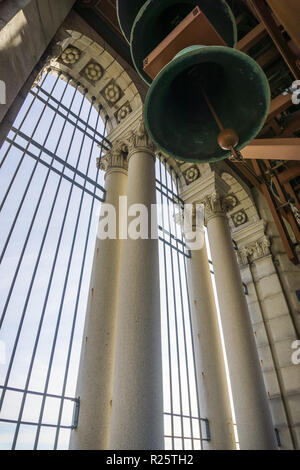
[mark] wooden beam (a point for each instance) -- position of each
(289, 174)
(252, 38)
(273, 149)
(291, 125)
(268, 57)
(265, 15)
(288, 14)
(279, 104)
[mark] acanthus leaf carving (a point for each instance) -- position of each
(114, 158)
(254, 251)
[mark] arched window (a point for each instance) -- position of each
(51, 192)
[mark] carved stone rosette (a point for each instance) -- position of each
(254, 251)
(115, 158)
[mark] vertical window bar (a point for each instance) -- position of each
(168, 313)
(29, 295)
(65, 284)
(79, 283)
(183, 319)
(24, 119)
(175, 313)
(192, 337)
(33, 218)
(20, 163)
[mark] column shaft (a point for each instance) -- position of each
(253, 417)
(137, 413)
(95, 380)
(211, 374)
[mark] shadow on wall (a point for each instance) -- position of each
(9, 9)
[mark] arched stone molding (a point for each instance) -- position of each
(243, 211)
(87, 62)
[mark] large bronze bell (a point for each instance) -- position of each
(202, 90)
(127, 11)
(157, 18)
(209, 101)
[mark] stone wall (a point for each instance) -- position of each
(272, 281)
(24, 39)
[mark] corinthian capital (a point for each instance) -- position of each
(115, 158)
(139, 138)
(216, 205)
(254, 251)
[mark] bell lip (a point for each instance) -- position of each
(139, 70)
(188, 54)
(126, 35)
(120, 23)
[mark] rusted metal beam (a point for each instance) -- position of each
(283, 205)
(290, 190)
(273, 149)
(288, 245)
(244, 172)
(264, 13)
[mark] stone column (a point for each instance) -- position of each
(97, 358)
(211, 374)
(137, 407)
(253, 419)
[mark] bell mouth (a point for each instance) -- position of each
(176, 113)
(161, 17)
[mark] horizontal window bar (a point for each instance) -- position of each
(58, 159)
(31, 392)
(29, 423)
(176, 197)
(59, 172)
(70, 113)
(187, 255)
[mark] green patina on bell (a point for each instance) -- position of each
(177, 116)
(127, 11)
(157, 18)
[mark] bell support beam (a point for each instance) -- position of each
(279, 104)
(252, 38)
(273, 149)
(263, 12)
(288, 245)
(284, 206)
(288, 13)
